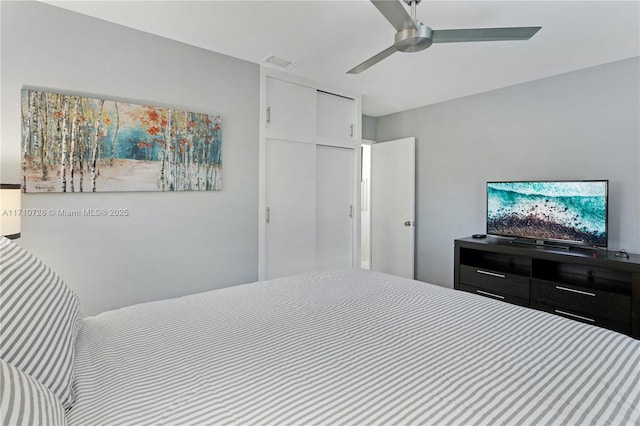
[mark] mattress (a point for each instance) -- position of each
(349, 347)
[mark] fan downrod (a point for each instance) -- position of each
(414, 39)
(413, 4)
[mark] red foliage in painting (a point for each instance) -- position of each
(153, 115)
(153, 130)
(216, 127)
(192, 123)
(58, 114)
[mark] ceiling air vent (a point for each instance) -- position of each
(279, 62)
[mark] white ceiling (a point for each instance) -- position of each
(326, 38)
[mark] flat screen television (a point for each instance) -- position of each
(569, 212)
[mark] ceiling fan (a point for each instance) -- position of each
(413, 36)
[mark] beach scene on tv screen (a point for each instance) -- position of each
(569, 211)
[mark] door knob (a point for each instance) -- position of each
(407, 223)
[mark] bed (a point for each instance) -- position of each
(348, 347)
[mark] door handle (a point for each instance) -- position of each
(408, 223)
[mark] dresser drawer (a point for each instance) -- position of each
(495, 295)
(494, 281)
(621, 327)
(582, 300)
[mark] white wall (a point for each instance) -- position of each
(171, 243)
(579, 125)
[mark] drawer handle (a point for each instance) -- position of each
(586, 293)
(486, 293)
(493, 274)
(557, 311)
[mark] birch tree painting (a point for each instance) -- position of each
(78, 144)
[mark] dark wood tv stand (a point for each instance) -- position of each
(591, 286)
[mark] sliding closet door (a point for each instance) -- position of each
(290, 108)
(291, 208)
(334, 208)
(335, 117)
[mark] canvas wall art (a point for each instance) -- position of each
(79, 144)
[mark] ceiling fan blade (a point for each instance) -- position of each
(372, 61)
(395, 13)
(484, 34)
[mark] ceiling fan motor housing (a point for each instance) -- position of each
(414, 39)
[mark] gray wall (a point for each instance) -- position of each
(579, 125)
(368, 128)
(171, 243)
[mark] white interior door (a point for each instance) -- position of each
(290, 231)
(334, 209)
(393, 207)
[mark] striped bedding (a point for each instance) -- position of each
(349, 347)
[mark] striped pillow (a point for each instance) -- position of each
(25, 401)
(39, 319)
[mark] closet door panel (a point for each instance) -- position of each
(334, 226)
(291, 108)
(291, 202)
(335, 116)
